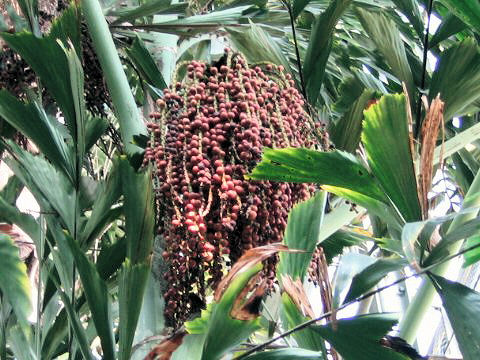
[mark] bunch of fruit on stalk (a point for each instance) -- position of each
(207, 133)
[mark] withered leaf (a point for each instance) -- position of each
(295, 290)
(249, 259)
(429, 134)
(165, 349)
(20, 238)
(247, 304)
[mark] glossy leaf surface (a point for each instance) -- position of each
(335, 168)
(386, 139)
(359, 338)
(463, 308)
(303, 227)
(371, 275)
(457, 78)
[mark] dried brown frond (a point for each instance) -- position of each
(295, 290)
(249, 259)
(165, 349)
(429, 135)
(247, 304)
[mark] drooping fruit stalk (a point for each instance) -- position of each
(208, 132)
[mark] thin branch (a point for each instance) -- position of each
(424, 70)
(40, 254)
(363, 297)
(297, 52)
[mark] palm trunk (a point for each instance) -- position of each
(124, 104)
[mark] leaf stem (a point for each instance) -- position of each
(124, 103)
(297, 52)
(3, 335)
(40, 252)
(363, 297)
(424, 70)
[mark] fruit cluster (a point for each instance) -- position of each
(16, 75)
(207, 134)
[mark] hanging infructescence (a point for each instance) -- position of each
(207, 133)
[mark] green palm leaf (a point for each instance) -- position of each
(457, 78)
(358, 338)
(386, 139)
(52, 67)
(14, 281)
(463, 308)
(467, 10)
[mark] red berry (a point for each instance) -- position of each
(207, 256)
(193, 229)
(232, 195)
